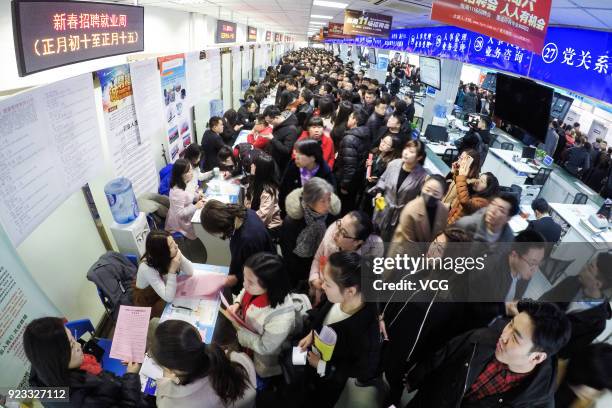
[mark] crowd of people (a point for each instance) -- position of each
(332, 174)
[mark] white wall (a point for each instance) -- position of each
(470, 74)
(61, 250)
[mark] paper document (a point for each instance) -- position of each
(325, 341)
(178, 313)
(150, 368)
(130, 339)
(298, 357)
(233, 316)
(199, 286)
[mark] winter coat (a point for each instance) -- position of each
(470, 102)
(374, 123)
(281, 145)
(211, 144)
(395, 199)
(353, 152)
(327, 145)
(464, 203)
(246, 118)
(414, 225)
(292, 180)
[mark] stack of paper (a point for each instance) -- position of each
(130, 339)
(325, 342)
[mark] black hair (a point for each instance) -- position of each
(345, 108)
(326, 106)
(292, 82)
(604, 269)
(312, 148)
(440, 179)
(271, 274)
(307, 95)
(223, 153)
(492, 187)
(420, 148)
(345, 269)
(400, 107)
(192, 152)
(551, 328)
(526, 240)
(541, 205)
(286, 99)
(511, 199)
(591, 366)
(363, 225)
(47, 347)
(157, 251)
(219, 218)
(384, 98)
(214, 121)
(264, 179)
(271, 111)
(371, 91)
(231, 117)
(360, 116)
(178, 346)
(180, 167)
(315, 121)
(328, 87)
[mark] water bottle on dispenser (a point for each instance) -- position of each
(122, 201)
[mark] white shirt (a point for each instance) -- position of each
(335, 315)
(164, 286)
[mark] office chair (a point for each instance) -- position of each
(417, 123)
(449, 156)
(580, 198)
(553, 268)
(540, 178)
(507, 146)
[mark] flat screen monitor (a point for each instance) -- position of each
(397, 57)
(489, 82)
(436, 133)
(560, 106)
(372, 56)
(430, 71)
(528, 153)
(524, 104)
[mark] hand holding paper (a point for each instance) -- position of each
(130, 339)
(199, 286)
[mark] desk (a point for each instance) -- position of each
(440, 148)
(501, 164)
(433, 163)
(216, 248)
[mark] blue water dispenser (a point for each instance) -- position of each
(121, 199)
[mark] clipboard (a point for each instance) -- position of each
(231, 316)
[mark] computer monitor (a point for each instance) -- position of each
(528, 153)
(435, 133)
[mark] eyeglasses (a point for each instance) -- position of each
(343, 231)
(531, 265)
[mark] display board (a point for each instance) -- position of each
(50, 149)
(430, 71)
(226, 32)
(130, 151)
(236, 77)
(21, 301)
(357, 22)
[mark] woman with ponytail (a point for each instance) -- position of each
(198, 374)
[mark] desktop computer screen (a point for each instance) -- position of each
(528, 153)
(436, 133)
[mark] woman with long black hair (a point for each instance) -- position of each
(262, 193)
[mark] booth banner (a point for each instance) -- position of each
(519, 22)
(576, 59)
(252, 34)
(226, 32)
(131, 154)
(365, 23)
(21, 301)
(51, 34)
(177, 110)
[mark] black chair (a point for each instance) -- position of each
(514, 190)
(540, 178)
(507, 146)
(553, 268)
(450, 156)
(580, 198)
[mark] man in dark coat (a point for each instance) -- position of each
(582, 299)
(350, 163)
(377, 119)
(511, 366)
(212, 142)
(470, 101)
(544, 224)
(284, 136)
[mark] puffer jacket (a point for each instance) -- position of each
(350, 163)
(281, 144)
(464, 204)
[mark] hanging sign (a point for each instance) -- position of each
(226, 32)
(252, 34)
(519, 22)
(365, 23)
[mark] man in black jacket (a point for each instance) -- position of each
(393, 127)
(544, 224)
(513, 366)
(369, 97)
(285, 135)
(410, 110)
(582, 298)
(377, 119)
(212, 142)
(350, 162)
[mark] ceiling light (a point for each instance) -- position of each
(332, 4)
(320, 16)
(317, 23)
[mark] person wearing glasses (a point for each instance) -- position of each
(353, 232)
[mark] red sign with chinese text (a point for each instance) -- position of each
(336, 30)
(519, 22)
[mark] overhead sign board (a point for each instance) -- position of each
(365, 23)
(226, 32)
(55, 33)
(252, 34)
(519, 22)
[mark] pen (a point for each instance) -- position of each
(181, 307)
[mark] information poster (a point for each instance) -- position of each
(176, 107)
(21, 301)
(50, 149)
(131, 153)
(198, 71)
(214, 58)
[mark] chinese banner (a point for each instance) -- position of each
(132, 157)
(278, 37)
(177, 112)
(21, 301)
(364, 23)
(336, 30)
(520, 22)
(226, 32)
(252, 36)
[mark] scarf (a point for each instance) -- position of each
(311, 236)
(90, 364)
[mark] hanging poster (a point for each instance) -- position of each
(268, 36)
(21, 301)
(131, 153)
(521, 23)
(50, 148)
(214, 84)
(252, 34)
(177, 110)
(358, 22)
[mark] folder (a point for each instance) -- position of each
(325, 342)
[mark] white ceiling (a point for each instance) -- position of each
(293, 16)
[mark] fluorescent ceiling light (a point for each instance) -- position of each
(332, 4)
(317, 23)
(320, 16)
